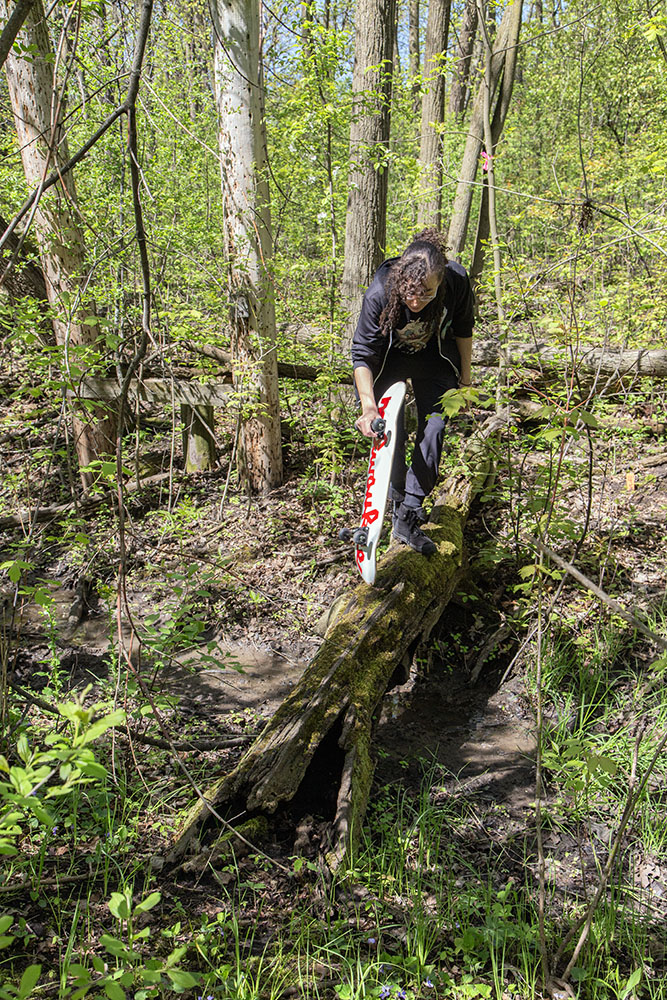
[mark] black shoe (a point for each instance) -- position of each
(405, 524)
(420, 513)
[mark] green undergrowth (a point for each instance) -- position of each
(436, 902)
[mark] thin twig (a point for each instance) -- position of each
(599, 593)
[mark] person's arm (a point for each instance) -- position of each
(464, 345)
(363, 379)
(368, 347)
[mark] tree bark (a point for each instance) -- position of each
(506, 41)
(37, 108)
(433, 113)
(331, 709)
(247, 220)
(414, 50)
(365, 225)
(459, 88)
(497, 125)
(198, 443)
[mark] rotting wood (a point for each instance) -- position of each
(24, 518)
(198, 443)
(374, 630)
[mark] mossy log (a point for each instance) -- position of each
(330, 711)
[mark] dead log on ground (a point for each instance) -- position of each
(588, 362)
(320, 737)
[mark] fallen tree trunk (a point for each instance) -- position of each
(324, 728)
(592, 362)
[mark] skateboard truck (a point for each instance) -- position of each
(359, 535)
(378, 425)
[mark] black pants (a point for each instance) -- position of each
(417, 481)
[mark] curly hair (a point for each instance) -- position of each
(426, 255)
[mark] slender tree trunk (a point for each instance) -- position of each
(247, 221)
(497, 125)
(433, 113)
(365, 228)
(307, 18)
(396, 54)
(413, 49)
(37, 106)
(464, 50)
(504, 45)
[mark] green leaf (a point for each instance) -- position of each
(23, 748)
(609, 766)
(588, 418)
(6, 939)
(93, 769)
(119, 905)
(114, 991)
(148, 903)
(29, 980)
(6, 921)
(114, 946)
(116, 718)
(632, 982)
(182, 980)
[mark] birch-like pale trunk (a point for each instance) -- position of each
(247, 235)
(433, 113)
(36, 103)
(365, 223)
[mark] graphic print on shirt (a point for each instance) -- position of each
(414, 336)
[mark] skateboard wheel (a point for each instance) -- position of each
(360, 536)
(345, 535)
(378, 425)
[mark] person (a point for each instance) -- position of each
(416, 323)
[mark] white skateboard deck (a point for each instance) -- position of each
(377, 482)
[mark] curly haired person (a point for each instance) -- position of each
(416, 323)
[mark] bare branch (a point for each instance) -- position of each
(13, 26)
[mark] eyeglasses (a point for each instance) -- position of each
(420, 298)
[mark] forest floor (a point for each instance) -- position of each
(230, 596)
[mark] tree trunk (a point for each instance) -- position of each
(247, 220)
(497, 125)
(198, 443)
(464, 50)
(588, 364)
(365, 225)
(413, 50)
(37, 115)
(433, 113)
(328, 717)
(505, 42)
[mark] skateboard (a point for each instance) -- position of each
(367, 535)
